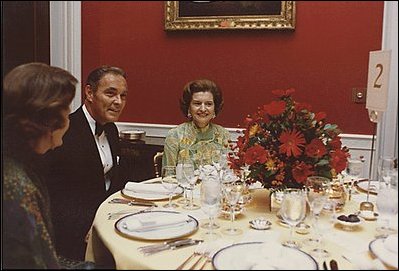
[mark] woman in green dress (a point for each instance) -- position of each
(198, 139)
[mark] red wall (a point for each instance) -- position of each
(323, 59)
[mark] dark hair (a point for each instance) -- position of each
(35, 94)
(201, 85)
(95, 76)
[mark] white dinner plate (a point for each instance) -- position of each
(148, 195)
(247, 256)
(363, 186)
(168, 231)
(381, 252)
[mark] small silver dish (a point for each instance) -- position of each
(260, 223)
(132, 135)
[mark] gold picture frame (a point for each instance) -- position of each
(208, 15)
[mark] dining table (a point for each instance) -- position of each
(349, 247)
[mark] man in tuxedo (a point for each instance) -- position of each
(84, 171)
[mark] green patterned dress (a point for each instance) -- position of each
(27, 228)
(186, 141)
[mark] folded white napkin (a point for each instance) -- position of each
(154, 222)
(391, 243)
(144, 188)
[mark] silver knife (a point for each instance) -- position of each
(173, 246)
(133, 202)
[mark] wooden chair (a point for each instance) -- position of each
(158, 163)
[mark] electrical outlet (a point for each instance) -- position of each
(359, 95)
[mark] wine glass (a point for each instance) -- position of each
(293, 211)
(317, 188)
(211, 194)
(183, 182)
(232, 193)
(169, 182)
(354, 169)
(190, 178)
(387, 206)
(384, 170)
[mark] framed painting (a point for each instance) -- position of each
(208, 15)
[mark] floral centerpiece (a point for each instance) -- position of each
(284, 142)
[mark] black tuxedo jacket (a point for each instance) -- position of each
(75, 179)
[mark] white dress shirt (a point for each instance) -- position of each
(103, 147)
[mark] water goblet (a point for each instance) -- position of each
(385, 167)
(183, 182)
(317, 188)
(387, 206)
(293, 211)
(232, 193)
(211, 194)
(190, 179)
(354, 169)
(169, 182)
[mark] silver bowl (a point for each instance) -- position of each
(132, 135)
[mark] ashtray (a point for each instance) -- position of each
(302, 228)
(349, 222)
(260, 223)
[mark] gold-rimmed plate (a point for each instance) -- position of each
(156, 225)
(247, 256)
(363, 186)
(150, 191)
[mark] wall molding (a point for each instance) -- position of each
(65, 41)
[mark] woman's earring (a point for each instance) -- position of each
(189, 115)
(214, 116)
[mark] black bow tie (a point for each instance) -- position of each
(99, 129)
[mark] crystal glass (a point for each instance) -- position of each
(354, 169)
(232, 193)
(317, 188)
(190, 178)
(387, 206)
(183, 183)
(169, 182)
(385, 167)
(211, 194)
(293, 211)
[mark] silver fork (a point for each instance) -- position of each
(204, 255)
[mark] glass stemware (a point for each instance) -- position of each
(190, 179)
(385, 167)
(317, 188)
(293, 211)
(232, 193)
(183, 182)
(169, 182)
(387, 206)
(354, 170)
(211, 194)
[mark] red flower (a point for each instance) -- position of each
(284, 142)
(315, 149)
(301, 171)
(338, 160)
(290, 143)
(255, 154)
(320, 116)
(274, 108)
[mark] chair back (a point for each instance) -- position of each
(158, 163)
